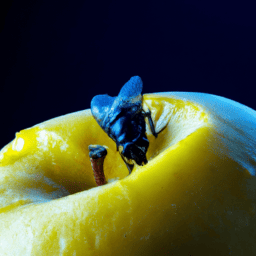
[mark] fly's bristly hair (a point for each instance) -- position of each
(123, 120)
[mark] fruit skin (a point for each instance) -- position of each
(196, 195)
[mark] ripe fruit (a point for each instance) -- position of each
(196, 195)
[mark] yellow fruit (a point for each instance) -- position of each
(196, 196)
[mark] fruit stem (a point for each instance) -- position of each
(97, 155)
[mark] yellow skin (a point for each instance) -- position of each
(196, 196)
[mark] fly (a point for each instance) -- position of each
(123, 119)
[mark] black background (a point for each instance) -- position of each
(56, 55)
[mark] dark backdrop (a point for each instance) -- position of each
(56, 55)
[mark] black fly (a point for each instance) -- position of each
(123, 119)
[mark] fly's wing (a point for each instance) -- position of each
(101, 108)
(131, 91)
(106, 109)
(129, 98)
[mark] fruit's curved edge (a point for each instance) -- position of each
(216, 104)
(234, 122)
(58, 119)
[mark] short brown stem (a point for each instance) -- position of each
(97, 155)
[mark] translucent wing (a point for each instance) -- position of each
(101, 108)
(131, 91)
(105, 108)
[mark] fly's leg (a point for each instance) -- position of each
(148, 115)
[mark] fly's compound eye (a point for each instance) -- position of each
(132, 152)
(136, 152)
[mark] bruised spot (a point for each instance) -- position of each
(47, 139)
